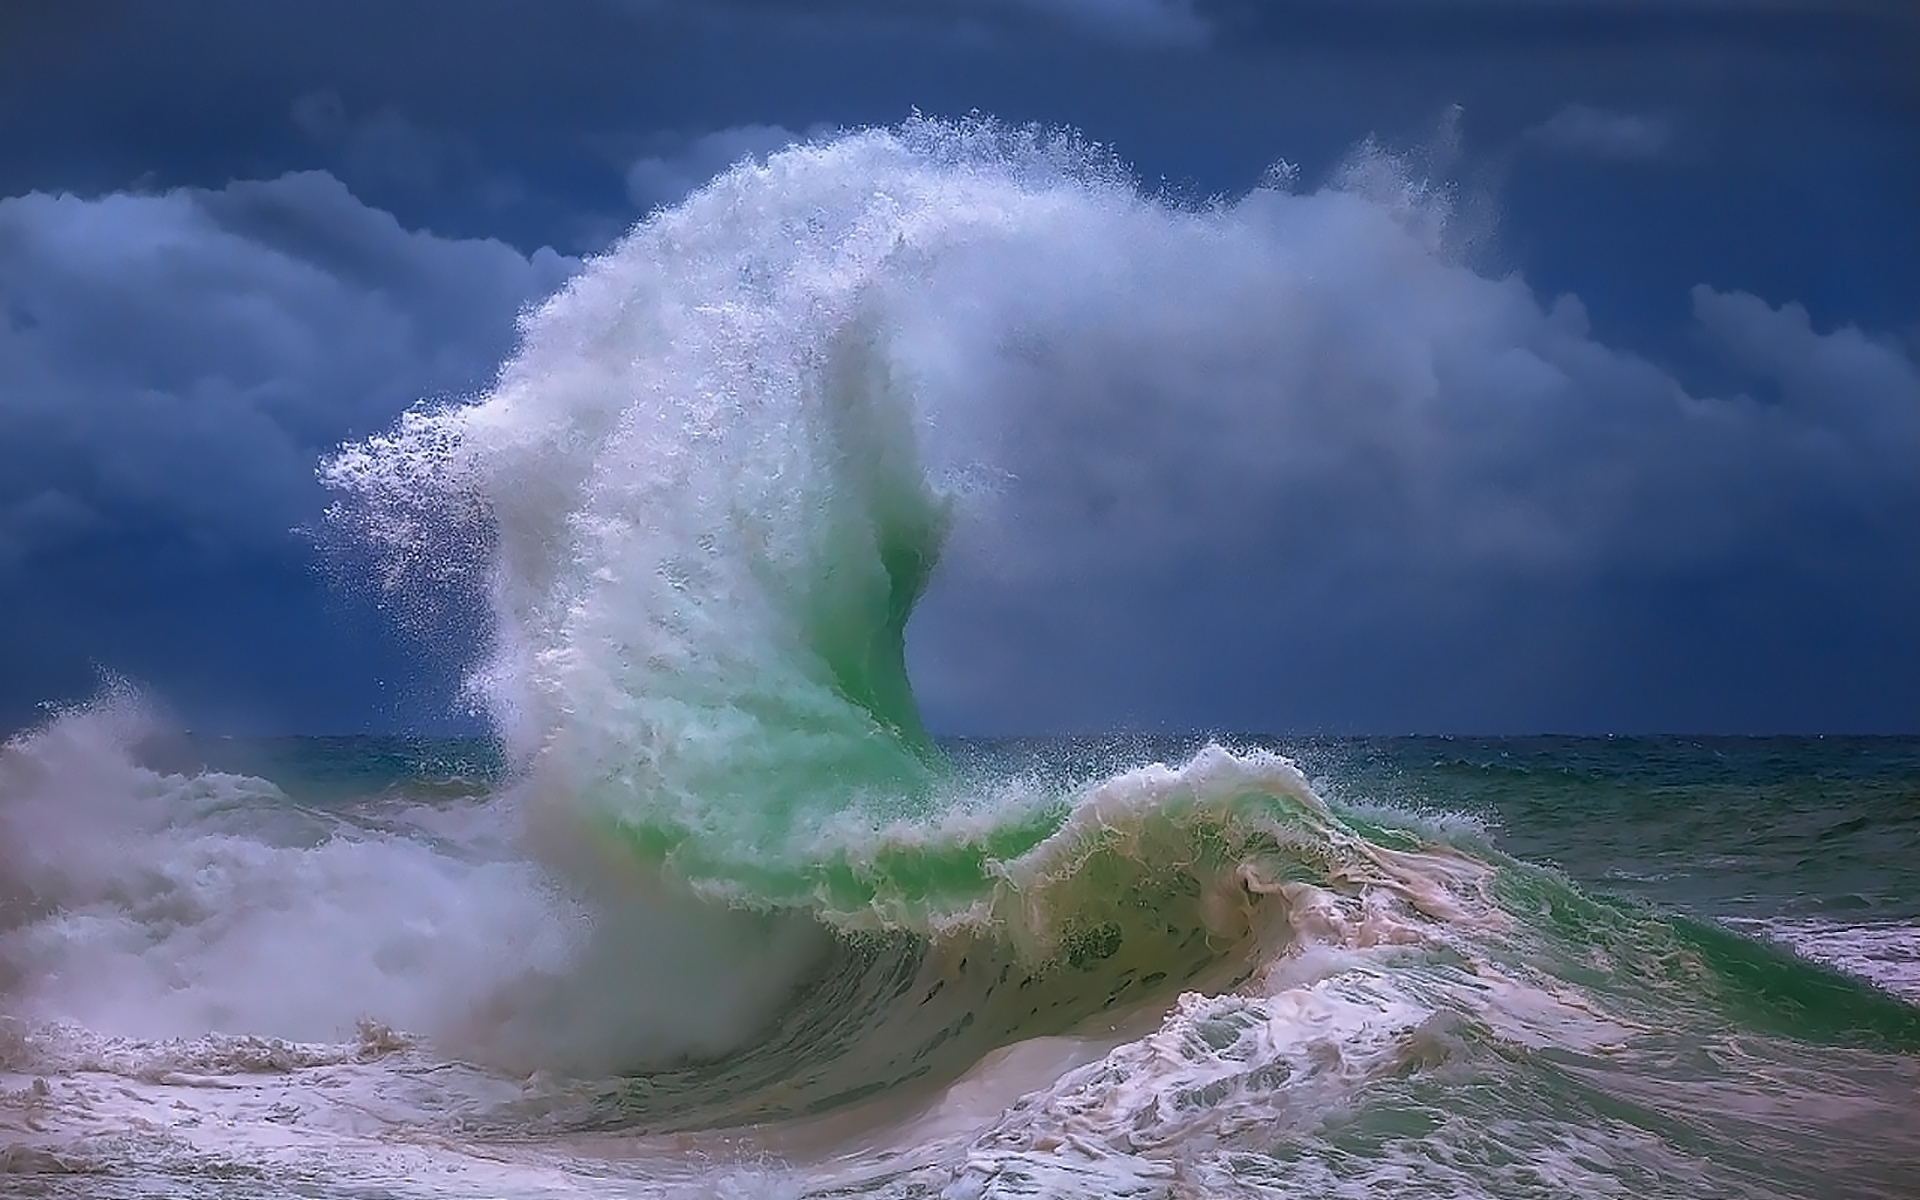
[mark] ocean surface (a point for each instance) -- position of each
(1641, 967)
(714, 914)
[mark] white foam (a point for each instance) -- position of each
(161, 908)
(150, 905)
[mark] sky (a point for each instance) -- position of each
(1658, 468)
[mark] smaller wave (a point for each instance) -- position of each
(1885, 952)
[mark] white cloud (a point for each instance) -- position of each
(1586, 131)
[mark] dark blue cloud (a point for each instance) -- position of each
(1419, 499)
(288, 222)
(1581, 129)
(173, 366)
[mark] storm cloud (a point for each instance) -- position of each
(172, 365)
(1583, 129)
(1313, 463)
(1634, 458)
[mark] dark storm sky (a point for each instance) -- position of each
(235, 234)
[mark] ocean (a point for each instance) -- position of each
(713, 913)
(1404, 966)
